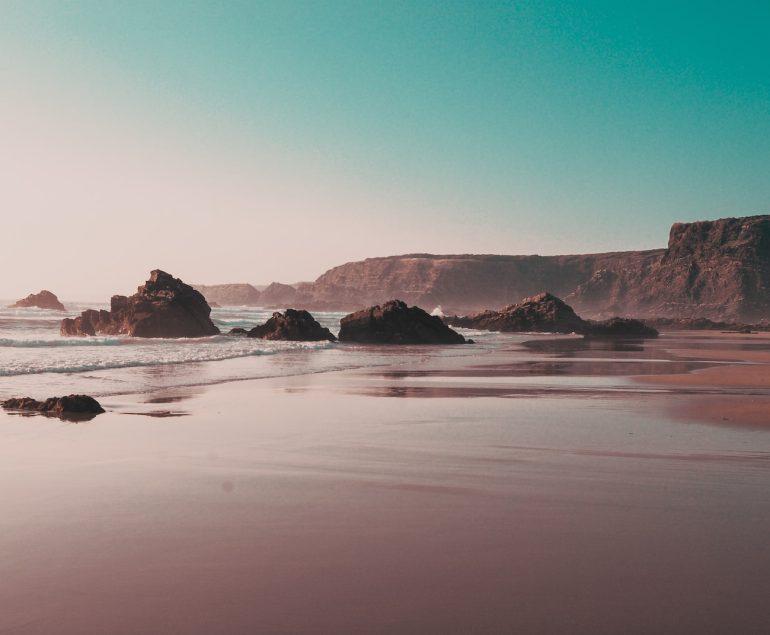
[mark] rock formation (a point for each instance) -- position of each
(713, 269)
(163, 307)
(239, 294)
(545, 313)
(292, 325)
(542, 313)
(43, 300)
(396, 323)
(620, 327)
(69, 407)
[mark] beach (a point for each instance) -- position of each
(560, 486)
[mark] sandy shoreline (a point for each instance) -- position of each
(347, 501)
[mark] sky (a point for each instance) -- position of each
(259, 141)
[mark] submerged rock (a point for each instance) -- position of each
(43, 300)
(544, 313)
(396, 323)
(163, 307)
(620, 327)
(293, 325)
(238, 331)
(69, 407)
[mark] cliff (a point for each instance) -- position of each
(712, 269)
(238, 294)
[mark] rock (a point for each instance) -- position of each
(621, 327)
(237, 294)
(163, 307)
(542, 313)
(238, 331)
(711, 269)
(396, 323)
(69, 407)
(279, 295)
(293, 325)
(43, 300)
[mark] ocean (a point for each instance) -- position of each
(36, 361)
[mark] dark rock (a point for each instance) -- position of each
(542, 313)
(43, 300)
(293, 325)
(163, 307)
(238, 331)
(396, 323)
(620, 327)
(70, 407)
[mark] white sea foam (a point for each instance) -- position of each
(159, 352)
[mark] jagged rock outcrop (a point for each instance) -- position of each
(292, 325)
(43, 300)
(280, 295)
(542, 313)
(163, 307)
(620, 327)
(71, 406)
(238, 294)
(545, 313)
(396, 323)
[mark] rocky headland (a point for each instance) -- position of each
(237, 294)
(163, 307)
(718, 270)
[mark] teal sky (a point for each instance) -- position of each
(252, 141)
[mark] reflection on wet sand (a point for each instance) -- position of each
(311, 503)
(676, 373)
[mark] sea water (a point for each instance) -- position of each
(36, 360)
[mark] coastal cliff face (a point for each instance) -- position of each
(714, 269)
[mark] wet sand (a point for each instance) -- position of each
(534, 490)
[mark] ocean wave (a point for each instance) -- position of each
(55, 343)
(154, 356)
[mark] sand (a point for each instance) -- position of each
(416, 498)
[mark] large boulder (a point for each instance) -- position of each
(542, 313)
(43, 300)
(163, 307)
(620, 327)
(396, 323)
(69, 407)
(293, 325)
